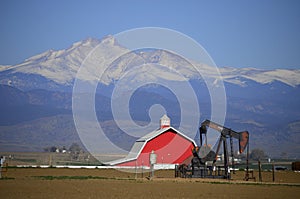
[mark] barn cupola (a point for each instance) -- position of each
(165, 122)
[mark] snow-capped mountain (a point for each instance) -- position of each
(54, 67)
(59, 68)
(288, 76)
(265, 102)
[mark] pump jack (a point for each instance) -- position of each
(199, 167)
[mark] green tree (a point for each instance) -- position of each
(75, 150)
(257, 154)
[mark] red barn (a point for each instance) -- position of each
(170, 146)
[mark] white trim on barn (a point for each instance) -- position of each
(141, 142)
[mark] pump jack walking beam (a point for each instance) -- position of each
(243, 137)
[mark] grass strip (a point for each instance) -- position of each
(7, 178)
(253, 184)
(79, 178)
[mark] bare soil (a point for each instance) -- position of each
(109, 183)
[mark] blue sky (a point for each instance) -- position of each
(256, 33)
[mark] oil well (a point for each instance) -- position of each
(204, 160)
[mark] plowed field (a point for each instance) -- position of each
(109, 183)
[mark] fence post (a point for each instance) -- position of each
(259, 171)
(273, 172)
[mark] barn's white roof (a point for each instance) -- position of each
(141, 142)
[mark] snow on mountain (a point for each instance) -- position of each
(290, 77)
(4, 67)
(138, 66)
(237, 76)
(61, 66)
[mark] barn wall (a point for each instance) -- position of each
(170, 147)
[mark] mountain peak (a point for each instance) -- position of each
(109, 40)
(61, 66)
(86, 42)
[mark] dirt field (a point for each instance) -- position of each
(108, 183)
